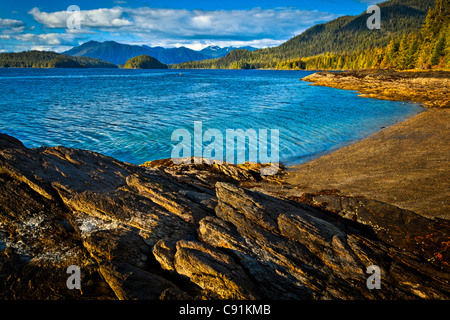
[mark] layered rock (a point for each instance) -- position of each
(199, 231)
(432, 88)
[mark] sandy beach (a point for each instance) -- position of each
(407, 165)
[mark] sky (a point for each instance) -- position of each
(59, 26)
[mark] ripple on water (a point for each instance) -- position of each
(131, 114)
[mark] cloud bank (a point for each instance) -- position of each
(9, 26)
(174, 27)
(192, 24)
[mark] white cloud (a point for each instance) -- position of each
(179, 24)
(194, 29)
(97, 18)
(11, 23)
(11, 26)
(252, 24)
(50, 41)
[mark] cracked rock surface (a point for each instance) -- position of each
(200, 231)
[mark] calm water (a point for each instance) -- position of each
(131, 114)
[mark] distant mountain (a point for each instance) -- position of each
(110, 51)
(218, 52)
(174, 55)
(49, 59)
(119, 53)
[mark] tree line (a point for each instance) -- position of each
(49, 59)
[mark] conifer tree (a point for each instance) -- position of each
(413, 48)
(438, 50)
(391, 53)
(402, 55)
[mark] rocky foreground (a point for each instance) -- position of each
(431, 88)
(200, 231)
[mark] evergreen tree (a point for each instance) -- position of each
(340, 63)
(403, 50)
(447, 41)
(413, 48)
(438, 50)
(391, 53)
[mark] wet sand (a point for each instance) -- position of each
(407, 165)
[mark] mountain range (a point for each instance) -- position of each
(119, 53)
(217, 52)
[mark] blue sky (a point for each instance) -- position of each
(42, 25)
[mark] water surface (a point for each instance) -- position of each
(131, 114)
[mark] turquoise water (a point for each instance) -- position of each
(131, 114)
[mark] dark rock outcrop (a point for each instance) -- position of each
(200, 231)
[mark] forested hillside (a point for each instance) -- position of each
(414, 34)
(49, 59)
(350, 33)
(429, 47)
(144, 62)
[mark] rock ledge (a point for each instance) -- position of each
(200, 231)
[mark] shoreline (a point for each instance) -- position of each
(430, 88)
(405, 164)
(321, 154)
